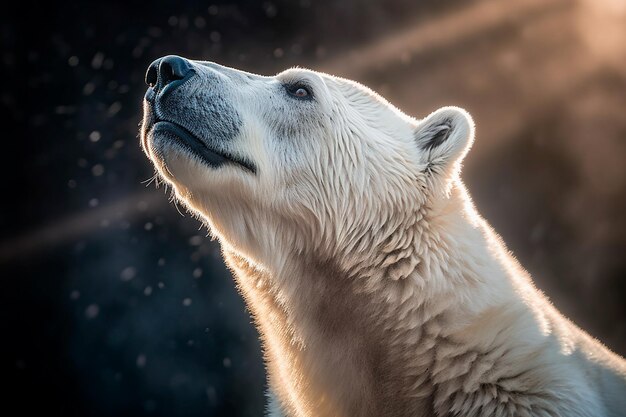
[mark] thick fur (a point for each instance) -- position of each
(377, 288)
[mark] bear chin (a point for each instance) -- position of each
(167, 134)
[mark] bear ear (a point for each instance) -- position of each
(444, 137)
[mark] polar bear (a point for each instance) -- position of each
(376, 287)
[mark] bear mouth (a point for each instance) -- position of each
(197, 147)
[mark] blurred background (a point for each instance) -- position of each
(115, 304)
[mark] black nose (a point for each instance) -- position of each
(165, 70)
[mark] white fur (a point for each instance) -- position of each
(377, 288)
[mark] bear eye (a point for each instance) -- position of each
(299, 90)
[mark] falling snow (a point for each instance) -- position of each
(92, 311)
(128, 273)
(97, 170)
(95, 136)
(141, 361)
(98, 59)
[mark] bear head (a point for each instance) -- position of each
(300, 161)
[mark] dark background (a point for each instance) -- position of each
(114, 304)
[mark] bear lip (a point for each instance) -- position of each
(192, 143)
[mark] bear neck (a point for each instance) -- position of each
(324, 322)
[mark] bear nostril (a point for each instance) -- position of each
(152, 75)
(167, 73)
(173, 68)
